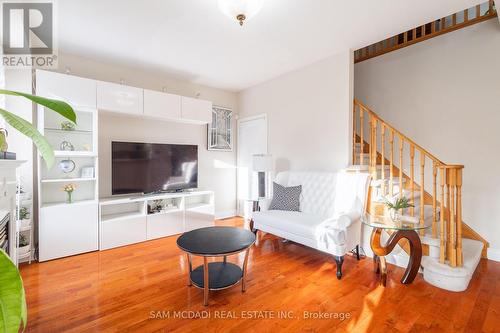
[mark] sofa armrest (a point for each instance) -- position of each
(264, 204)
(344, 220)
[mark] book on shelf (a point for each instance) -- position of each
(7, 155)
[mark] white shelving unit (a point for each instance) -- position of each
(129, 220)
(24, 226)
(68, 228)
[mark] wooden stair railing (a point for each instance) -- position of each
(446, 185)
(436, 28)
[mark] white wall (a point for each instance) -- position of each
(444, 93)
(309, 114)
(216, 169)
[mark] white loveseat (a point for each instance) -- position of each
(331, 205)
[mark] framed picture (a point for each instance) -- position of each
(87, 172)
(220, 130)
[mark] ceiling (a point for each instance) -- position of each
(193, 40)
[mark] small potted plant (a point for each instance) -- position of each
(396, 207)
(67, 126)
(69, 188)
(24, 246)
(24, 217)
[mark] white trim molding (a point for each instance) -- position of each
(494, 254)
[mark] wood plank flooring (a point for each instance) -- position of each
(143, 288)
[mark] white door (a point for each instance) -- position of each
(252, 139)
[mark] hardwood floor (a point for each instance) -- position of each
(143, 287)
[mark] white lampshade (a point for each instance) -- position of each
(240, 10)
(262, 162)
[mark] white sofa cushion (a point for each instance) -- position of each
(298, 223)
(307, 229)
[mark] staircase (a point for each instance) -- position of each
(400, 167)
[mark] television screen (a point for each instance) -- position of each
(152, 167)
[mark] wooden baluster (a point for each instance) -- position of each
(448, 226)
(401, 144)
(414, 33)
(361, 134)
(405, 37)
(422, 191)
(433, 27)
(478, 11)
(443, 23)
(434, 200)
(454, 19)
(354, 133)
(382, 147)
(466, 15)
(490, 8)
(391, 163)
(442, 243)
(459, 218)
(412, 178)
(370, 144)
(373, 156)
(453, 239)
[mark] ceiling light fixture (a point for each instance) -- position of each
(240, 10)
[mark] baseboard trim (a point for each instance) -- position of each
(225, 214)
(494, 254)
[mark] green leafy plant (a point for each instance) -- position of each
(67, 126)
(24, 213)
(26, 128)
(398, 204)
(23, 241)
(13, 311)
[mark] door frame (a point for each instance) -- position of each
(238, 123)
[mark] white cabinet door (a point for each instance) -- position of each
(65, 230)
(196, 110)
(121, 232)
(199, 217)
(161, 225)
(162, 105)
(75, 90)
(119, 98)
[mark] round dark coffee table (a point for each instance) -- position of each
(216, 242)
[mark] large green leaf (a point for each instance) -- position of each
(31, 132)
(63, 108)
(13, 311)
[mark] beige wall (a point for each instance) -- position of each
(308, 114)
(443, 93)
(216, 169)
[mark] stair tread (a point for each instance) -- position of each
(471, 250)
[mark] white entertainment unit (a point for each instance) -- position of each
(89, 223)
(127, 220)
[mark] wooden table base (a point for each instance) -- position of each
(381, 251)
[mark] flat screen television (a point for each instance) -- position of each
(152, 167)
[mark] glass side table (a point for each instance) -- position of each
(400, 229)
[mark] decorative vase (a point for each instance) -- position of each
(70, 199)
(395, 216)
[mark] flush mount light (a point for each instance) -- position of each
(240, 10)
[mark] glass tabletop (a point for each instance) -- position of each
(385, 222)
